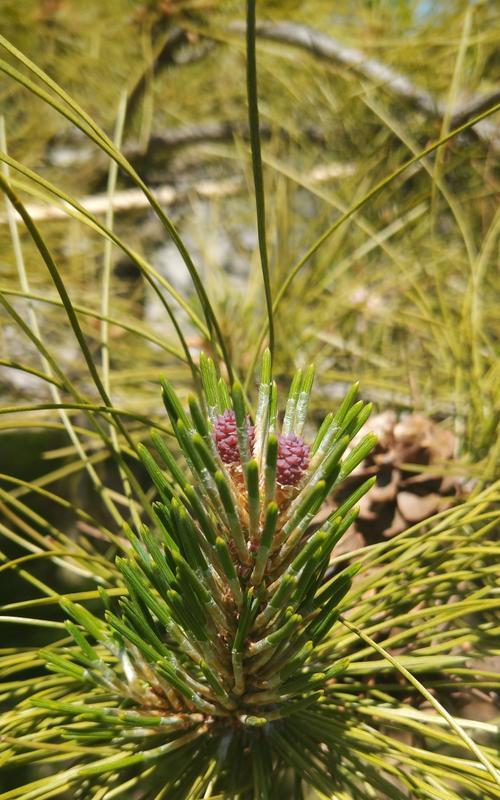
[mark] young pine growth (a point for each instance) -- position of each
(214, 655)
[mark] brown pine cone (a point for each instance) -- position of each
(404, 494)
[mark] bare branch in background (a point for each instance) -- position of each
(173, 43)
(170, 52)
(324, 46)
(167, 195)
(66, 154)
(474, 107)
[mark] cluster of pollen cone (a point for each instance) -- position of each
(225, 601)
